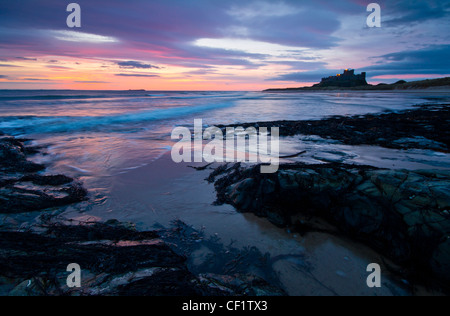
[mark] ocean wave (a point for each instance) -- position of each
(52, 97)
(35, 124)
(156, 95)
(193, 97)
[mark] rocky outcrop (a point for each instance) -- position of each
(13, 157)
(115, 259)
(23, 190)
(426, 127)
(403, 214)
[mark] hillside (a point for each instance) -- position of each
(400, 85)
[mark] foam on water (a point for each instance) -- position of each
(63, 124)
(131, 128)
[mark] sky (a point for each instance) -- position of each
(218, 44)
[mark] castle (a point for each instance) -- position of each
(346, 80)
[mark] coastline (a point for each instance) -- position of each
(320, 238)
(192, 254)
(424, 127)
(442, 84)
(403, 214)
(38, 239)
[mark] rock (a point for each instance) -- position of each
(268, 187)
(17, 198)
(287, 180)
(22, 190)
(26, 288)
(425, 127)
(419, 142)
(369, 189)
(115, 260)
(389, 183)
(114, 268)
(440, 261)
(247, 285)
(403, 214)
(363, 215)
(13, 157)
(239, 193)
(441, 192)
(10, 151)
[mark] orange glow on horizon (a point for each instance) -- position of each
(53, 72)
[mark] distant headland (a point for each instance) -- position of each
(348, 80)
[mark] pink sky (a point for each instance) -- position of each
(216, 45)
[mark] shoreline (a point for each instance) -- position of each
(191, 247)
(424, 127)
(37, 242)
(403, 214)
(314, 233)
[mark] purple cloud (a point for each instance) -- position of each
(429, 60)
(26, 58)
(58, 67)
(35, 79)
(165, 29)
(164, 32)
(90, 81)
(136, 75)
(136, 65)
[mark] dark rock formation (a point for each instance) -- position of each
(115, 259)
(23, 190)
(403, 214)
(427, 127)
(13, 157)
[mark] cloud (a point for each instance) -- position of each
(35, 79)
(58, 67)
(202, 72)
(3, 77)
(430, 60)
(72, 36)
(307, 76)
(308, 28)
(28, 82)
(7, 65)
(301, 65)
(404, 13)
(90, 81)
(135, 65)
(26, 58)
(166, 32)
(136, 75)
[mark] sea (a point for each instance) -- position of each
(117, 144)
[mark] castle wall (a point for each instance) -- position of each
(347, 79)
